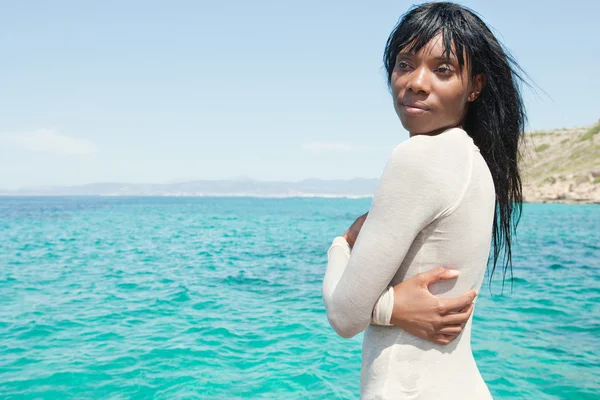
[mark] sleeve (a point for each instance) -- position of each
(409, 196)
(337, 259)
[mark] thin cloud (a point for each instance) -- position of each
(48, 141)
(341, 147)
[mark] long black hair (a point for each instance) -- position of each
(495, 120)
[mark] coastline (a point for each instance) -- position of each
(562, 165)
(558, 166)
(528, 198)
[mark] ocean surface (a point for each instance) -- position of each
(220, 298)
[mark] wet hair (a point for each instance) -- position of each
(495, 120)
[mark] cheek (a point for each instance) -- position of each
(454, 98)
(395, 85)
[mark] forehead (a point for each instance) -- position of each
(434, 48)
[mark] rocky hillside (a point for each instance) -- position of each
(562, 165)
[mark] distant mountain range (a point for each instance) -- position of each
(561, 165)
(234, 187)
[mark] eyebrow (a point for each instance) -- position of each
(439, 58)
(446, 59)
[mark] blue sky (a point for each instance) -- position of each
(157, 91)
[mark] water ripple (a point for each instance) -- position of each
(221, 298)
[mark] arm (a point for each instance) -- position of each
(382, 312)
(410, 195)
(411, 306)
(337, 256)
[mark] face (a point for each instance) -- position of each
(430, 92)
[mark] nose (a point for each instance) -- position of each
(418, 81)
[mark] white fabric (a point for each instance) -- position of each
(434, 206)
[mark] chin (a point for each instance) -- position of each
(415, 127)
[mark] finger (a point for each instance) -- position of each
(436, 274)
(453, 330)
(455, 304)
(445, 339)
(458, 318)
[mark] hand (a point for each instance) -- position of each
(417, 311)
(352, 233)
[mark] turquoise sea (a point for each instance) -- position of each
(220, 298)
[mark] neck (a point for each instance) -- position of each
(438, 131)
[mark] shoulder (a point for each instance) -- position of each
(451, 140)
(446, 154)
(437, 168)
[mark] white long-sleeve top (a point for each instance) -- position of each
(433, 206)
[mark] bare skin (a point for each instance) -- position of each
(431, 93)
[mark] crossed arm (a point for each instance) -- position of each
(356, 287)
(410, 306)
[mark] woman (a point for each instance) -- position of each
(445, 195)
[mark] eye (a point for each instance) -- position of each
(444, 69)
(402, 65)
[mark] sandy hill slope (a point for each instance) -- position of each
(562, 165)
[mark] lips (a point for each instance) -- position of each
(417, 105)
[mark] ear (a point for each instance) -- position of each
(477, 84)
